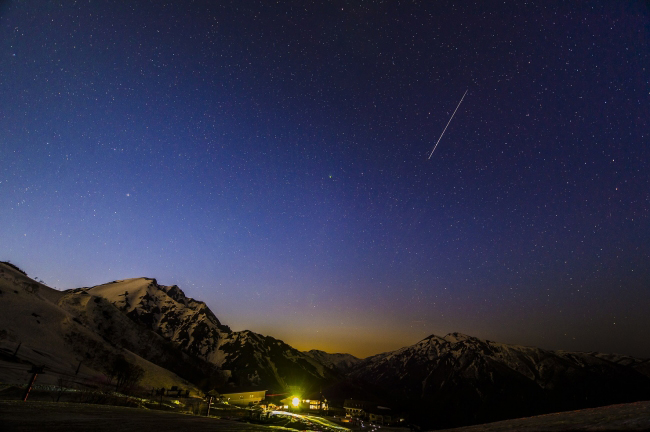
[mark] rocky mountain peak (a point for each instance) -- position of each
(458, 337)
(176, 293)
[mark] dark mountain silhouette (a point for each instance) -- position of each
(459, 379)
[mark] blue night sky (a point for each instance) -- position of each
(271, 159)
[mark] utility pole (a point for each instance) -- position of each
(209, 403)
(35, 371)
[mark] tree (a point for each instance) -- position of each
(125, 374)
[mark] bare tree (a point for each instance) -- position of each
(125, 374)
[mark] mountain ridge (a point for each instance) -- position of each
(460, 379)
(341, 362)
(244, 357)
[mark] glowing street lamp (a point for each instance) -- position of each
(295, 402)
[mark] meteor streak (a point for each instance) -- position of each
(443, 132)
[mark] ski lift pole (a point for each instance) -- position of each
(35, 371)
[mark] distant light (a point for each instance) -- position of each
(295, 402)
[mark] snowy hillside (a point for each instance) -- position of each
(61, 330)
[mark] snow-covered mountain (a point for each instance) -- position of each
(459, 379)
(244, 358)
(177, 340)
(337, 361)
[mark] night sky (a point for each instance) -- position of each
(271, 158)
